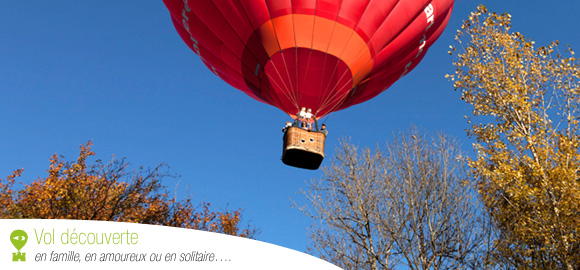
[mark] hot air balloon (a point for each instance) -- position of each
(320, 55)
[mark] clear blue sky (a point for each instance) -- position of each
(117, 73)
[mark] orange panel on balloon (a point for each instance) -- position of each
(318, 34)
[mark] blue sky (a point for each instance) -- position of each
(117, 73)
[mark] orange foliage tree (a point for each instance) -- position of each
(112, 192)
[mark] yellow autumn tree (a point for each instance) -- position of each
(525, 102)
(112, 192)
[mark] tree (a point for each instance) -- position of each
(109, 191)
(409, 204)
(525, 121)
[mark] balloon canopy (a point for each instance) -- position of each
(325, 55)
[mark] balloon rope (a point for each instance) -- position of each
(297, 95)
(329, 100)
(325, 94)
(286, 90)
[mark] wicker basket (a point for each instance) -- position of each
(303, 148)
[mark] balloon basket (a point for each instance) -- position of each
(303, 149)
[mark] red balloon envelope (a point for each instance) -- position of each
(325, 55)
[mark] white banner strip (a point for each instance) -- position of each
(70, 244)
